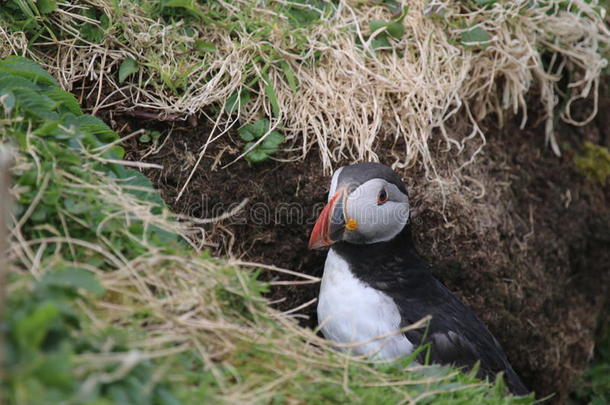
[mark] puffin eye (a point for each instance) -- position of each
(382, 197)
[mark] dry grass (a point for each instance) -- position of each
(348, 97)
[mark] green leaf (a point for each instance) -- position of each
(290, 77)
(165, 397)
(7, 100)
(92, 33)
(270, 92)
(162, 236)
(26, 68)
(96, 127)
(268, 150)
(67, 100)
(127, 68)
(246, 135)
(395, 29)
(475, 37)
(269, 145)
(74, 207)
(375, 25)
(40, 214)
(273, 140)
(36, 103)
(254, 130)
(393, 6)
(143, 189)
(46, 6)
(149, 136)
(204, 46)
(484, 2)
(380, 43)
(155, 135)
(247, 132)
(104, 22)
(257, 155)
(248, 145)
(187, 5)
(56, 368)
(73, 277)
(237, 99)
(31, 329)
(49, 128)
(27, 9)
(300, 16)
(9, 81)
(260, 127)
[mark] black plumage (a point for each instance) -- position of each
(455, 334)
(359, 173)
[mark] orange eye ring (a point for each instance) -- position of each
(382, 197)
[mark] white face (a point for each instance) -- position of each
(380, 210)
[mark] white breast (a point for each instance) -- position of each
(352, 312)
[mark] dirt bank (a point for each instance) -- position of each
(529, 256)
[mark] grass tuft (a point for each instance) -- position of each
(339, 75)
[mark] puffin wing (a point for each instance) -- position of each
(450, 348)
(455, 334)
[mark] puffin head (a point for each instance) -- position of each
(367, 203)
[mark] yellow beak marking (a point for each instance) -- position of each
(351, 224)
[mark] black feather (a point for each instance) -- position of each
(362, 172)
(455, 334)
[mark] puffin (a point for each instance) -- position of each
(375, 283)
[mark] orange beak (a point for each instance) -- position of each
(322, 233)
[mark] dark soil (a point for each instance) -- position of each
(530, 257)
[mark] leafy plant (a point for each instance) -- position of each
(387, 31)
(28, 16)
(150, 136)
(94, 32)
(62, 133)
(252, 133)
(45, 329)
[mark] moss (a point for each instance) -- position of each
(594, 163)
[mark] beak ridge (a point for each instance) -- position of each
(320, 236)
